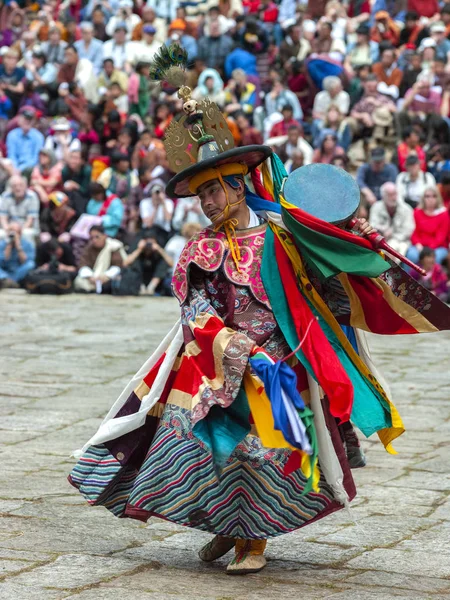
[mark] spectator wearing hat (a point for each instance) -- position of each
(413, 181)
(427, 51)
(105, 204)
(24, 142)
(363, 51)
(210, 85)
(177, 33)
(156, 212)
(372, 99)
(410, 146)
(12, 76)
(19, 210)
(89, 47)
(61, 142)
(214, 48)
(118, 49)
(385, 30)
(438, 34)
(386, 70)
(126, 16)
(371, 176)
(393, 218)
(145, 49)
(413, 31)
(149, 18)
(54, 48)
(46, 175)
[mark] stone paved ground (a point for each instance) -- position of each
(64, 360)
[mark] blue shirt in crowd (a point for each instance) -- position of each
(114, 214)
(23, 148)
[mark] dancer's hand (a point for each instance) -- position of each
(364, 227)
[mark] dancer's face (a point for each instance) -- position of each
(213, 199)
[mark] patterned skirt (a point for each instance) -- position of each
(170, 474)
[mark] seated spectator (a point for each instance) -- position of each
(57, 217)
(12, 76)
(324, 43)
(163, 117)
(40, 73)
(61, 142)
(54, 48)
(435, 280)
(279, 97)
(214, 47)
(19, 210)
(438, 34)
(363, 110)
(282, 127)
(100, 262)
(152, 261)
(14, 28)
(107, 205)
(385, 30)
(432, 228)
(150, 19)
(124, 17)
(138, 90)
(363, 51)
(24, 142)
(387, 70)
(17, 255)
(393, 218)
(422, 103)
(410, 146)
(335, 121)
(331, 95)
(145, 49)
(411, 72)
(89, 47)
(188, 211)
(444, 188)
(240, 94)
(371, 176)
(156, 212)
(99, 22)
(5, 108)
(111, 74)
(118, 49)
(46, 176)
(119, 179)
(293, 141)
(296, 161)
(76, 178)
(414, 31)
(249, 134)
(210, 85)
(56, 256)
(412, 183)
(294, 45)
(328, 148)
(298, 83)
(177, 33)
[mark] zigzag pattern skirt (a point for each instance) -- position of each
(252, 499)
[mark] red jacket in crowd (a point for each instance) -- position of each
(432, 231)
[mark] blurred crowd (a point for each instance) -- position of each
(360, 84)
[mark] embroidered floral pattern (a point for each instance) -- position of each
(208, 250)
